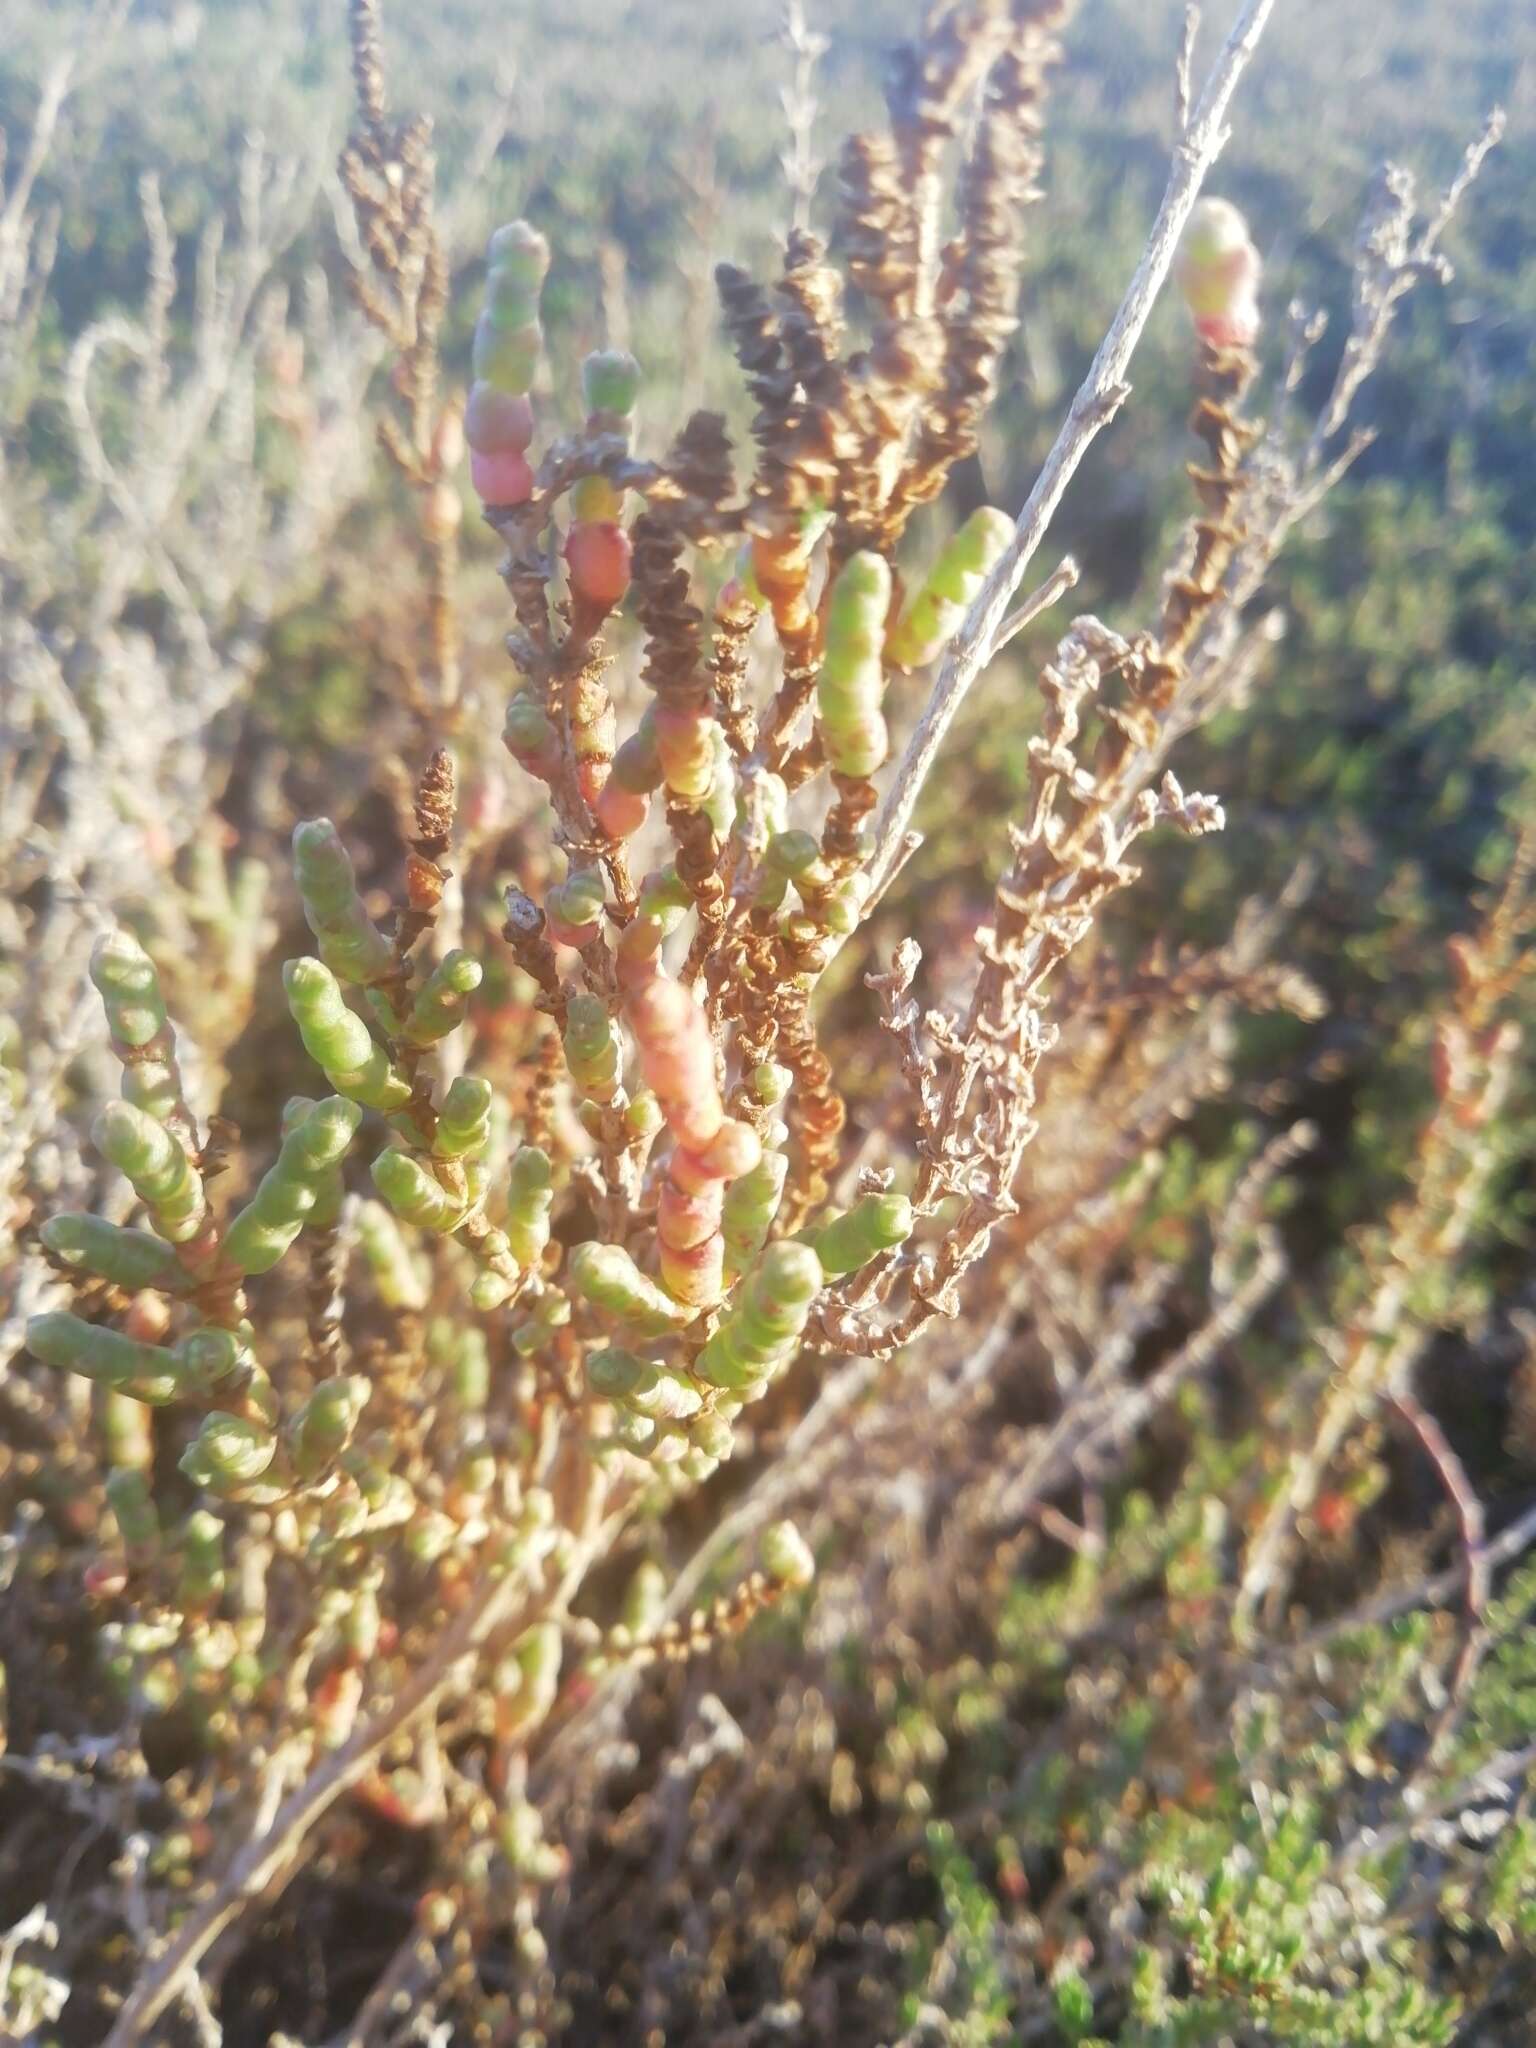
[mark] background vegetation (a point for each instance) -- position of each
(1025, 1786)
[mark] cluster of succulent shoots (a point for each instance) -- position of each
(697, 1235)
(499, 418)
(433, 1175)
(686, 1336)
(681, 748)
(192, 1267)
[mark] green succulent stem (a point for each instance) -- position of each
(933, 613)
(156, 1374)
(350, 943)
(304, 1184)
(442, 1002)
(338, 1040)
(762, 1331)
(607, 1277)
(155, 1161)
(142, 1037)
(128, 1258)
(874, 1224)
(851, 684)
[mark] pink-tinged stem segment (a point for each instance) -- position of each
(498, 420)
(597, 554)
(1218, 273)
(677, 1060)
(620, 809)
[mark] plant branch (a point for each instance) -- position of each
(1099, 397)
(268, 1859)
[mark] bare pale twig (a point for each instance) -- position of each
(1430, 1591)
(1474, 1545)
(802, 167)
(1392, 260)
(1487, 1781)
(1063, 577)
(1184, 68)
(415, 1963)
